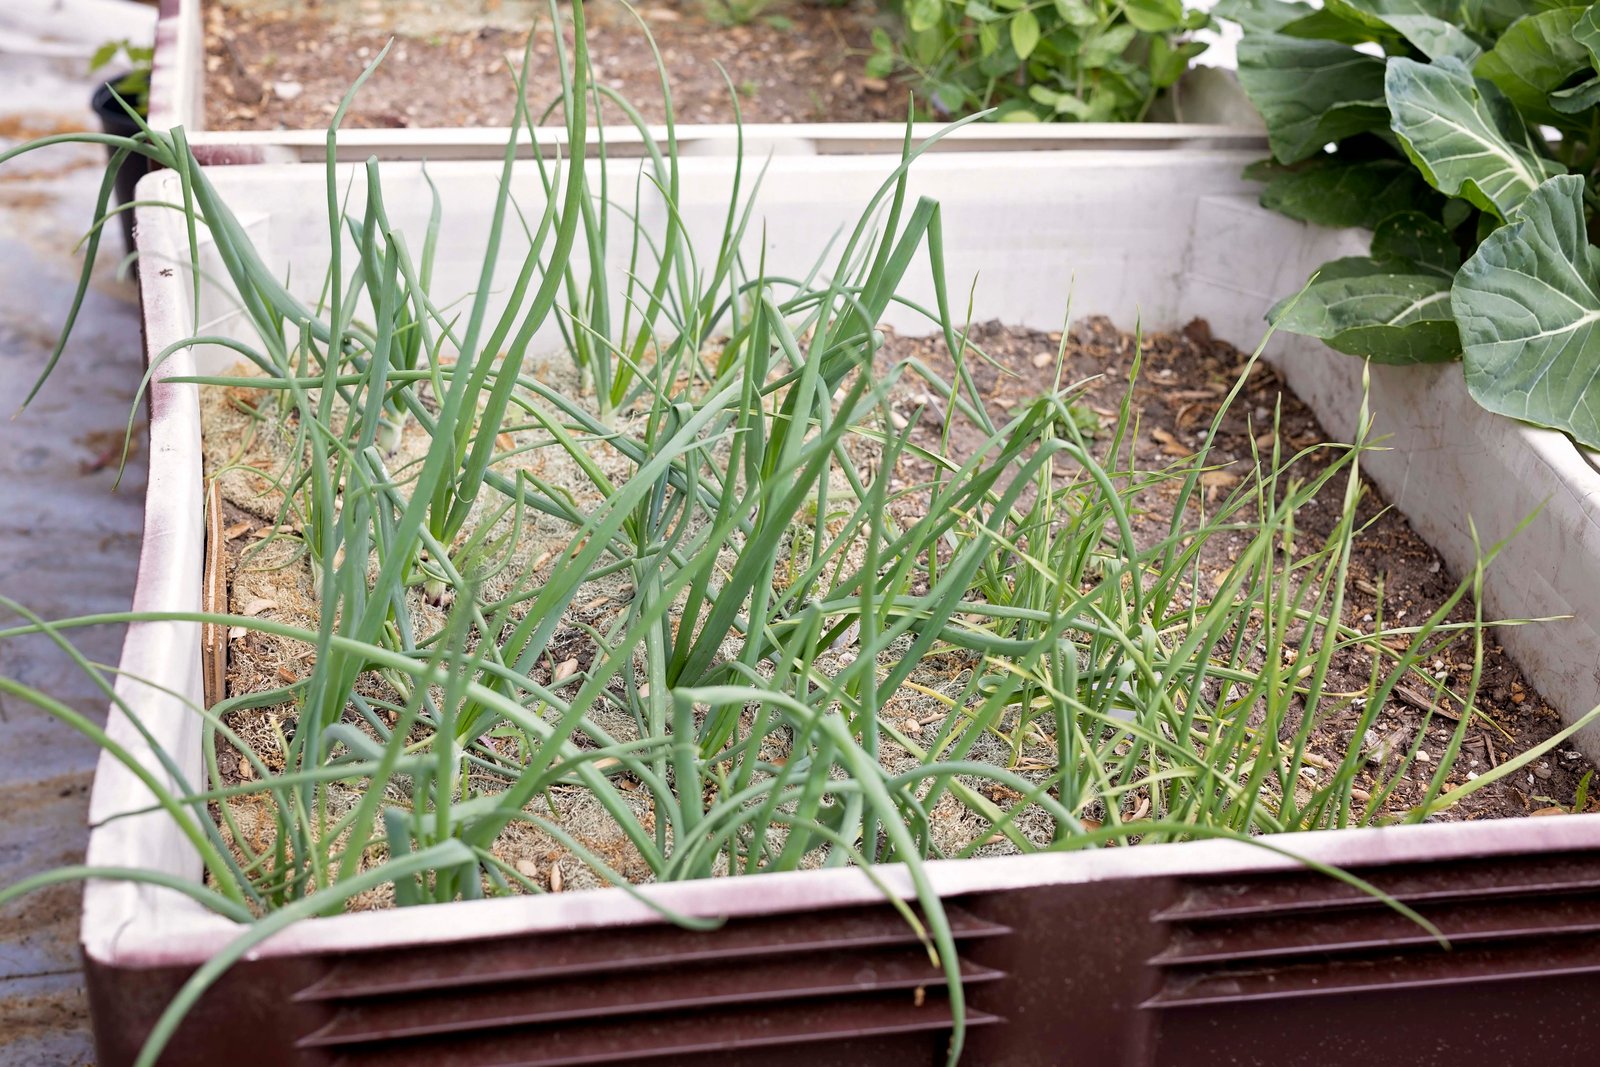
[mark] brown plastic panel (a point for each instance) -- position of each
(1271, 966)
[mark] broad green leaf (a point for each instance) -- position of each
(1076, 13)
(1330, 191)
(1100, 49)
(1587, 33)
(923, 14)
(1447, 127)
(1326, 25)
(1167, 63)
(1528, 302)
(1024, 33)
(1311, 92)
(1417, 238)
(1491, 17)
(988, 39)
(1537, 56)
(1387, 310)
(1154, 16)
(1424, 23)
(1577, 99)
(1261, 16)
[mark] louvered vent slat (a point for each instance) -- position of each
(636, 993)
(674, 1036)
(1301, 934)
(625, 995)
(425, 967)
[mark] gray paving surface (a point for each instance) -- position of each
(68, 543)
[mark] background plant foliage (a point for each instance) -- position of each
(1466, 135)
(1038, 60)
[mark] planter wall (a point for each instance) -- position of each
(1193, 953)
(1217, 113)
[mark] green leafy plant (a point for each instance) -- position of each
(133, 85)
(1066, 60)
(1466, 135)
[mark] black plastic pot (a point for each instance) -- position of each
(114, 120)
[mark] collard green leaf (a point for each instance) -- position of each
(1330, 191)
(1388, 310)
(1328, 25)
(1311, 92)
(1417, 238)
(1424, 23)
(1528, 302)
(1535, 57)
(1450, 129)
(1587, 33)
(1578, 99)
(1261, 16)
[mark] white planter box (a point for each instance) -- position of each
(1163, 237)
(1217, 115)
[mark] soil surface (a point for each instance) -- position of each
(273, 65)
(1179, 388)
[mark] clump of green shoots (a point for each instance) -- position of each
(756, 542)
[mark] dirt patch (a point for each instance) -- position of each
(1183, 377)
(269, 66)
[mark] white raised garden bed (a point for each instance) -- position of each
(1217, 115)
(1157, 238)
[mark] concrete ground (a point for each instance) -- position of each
(68, 542)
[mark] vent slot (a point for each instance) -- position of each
(622, 995)
(695, 1034)
(1302, 934)
(437, 967)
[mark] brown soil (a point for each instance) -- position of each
(1181, 382)
(272, 66)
